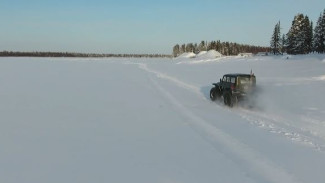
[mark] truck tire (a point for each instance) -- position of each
(213, 94)
(227, 99)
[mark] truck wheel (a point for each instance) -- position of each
(227, 99)
(213, 94)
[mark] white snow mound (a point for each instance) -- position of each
(187, 55)
(201, 53)
(211, 54)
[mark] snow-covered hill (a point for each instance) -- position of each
(151, 120)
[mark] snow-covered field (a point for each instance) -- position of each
(151, 120)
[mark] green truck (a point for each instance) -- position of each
(233, 88)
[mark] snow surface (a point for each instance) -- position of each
(150, 120)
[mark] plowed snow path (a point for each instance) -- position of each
(256, 164)
(257, 153)
(273, 124)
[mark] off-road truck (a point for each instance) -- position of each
(233, 88)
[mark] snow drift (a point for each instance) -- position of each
(186, 55)
(211, 54)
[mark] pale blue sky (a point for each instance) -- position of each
(142, 26)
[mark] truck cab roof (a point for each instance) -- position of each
(238, 74)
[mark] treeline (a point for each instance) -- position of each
(225, 48)
(67, 54)
(301, 38)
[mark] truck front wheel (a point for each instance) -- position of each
(213, 94)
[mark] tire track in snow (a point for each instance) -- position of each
(270, 123)
(257, 166)
(253, 118)
(179, 83)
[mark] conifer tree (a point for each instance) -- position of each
(311, 37)
(182, 49)
(196, 50)
(176, 50)
(292, 36)
(218, 46)
(323, 30)
(189, 47)
(307, 35)
(201, 46)
(298, 36)
(319, 34)
(275, 40)
(212, 45)
(283, 43)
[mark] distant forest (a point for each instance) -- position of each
(225, 48)
(67, 54)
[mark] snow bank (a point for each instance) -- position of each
(211, 54)
(202, 57)
(201, 53)
(187, 55)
